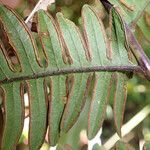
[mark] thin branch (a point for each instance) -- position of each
(129, 126)
(136, 69)
(42, 4)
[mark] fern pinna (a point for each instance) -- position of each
(69, 67)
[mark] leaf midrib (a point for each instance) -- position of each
(75, 70)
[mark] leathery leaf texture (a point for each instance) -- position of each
(56, 98)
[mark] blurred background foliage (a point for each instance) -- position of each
(138, 87)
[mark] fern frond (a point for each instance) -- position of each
(56, 100)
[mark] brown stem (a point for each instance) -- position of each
(138, 52)
(136, 69)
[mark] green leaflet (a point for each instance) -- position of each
(50, 40)
(57, 101)
(95, 37)
(14, 115)
(99, 101)
(120, 96)
(73, 42)
(38, 113)
(118, 40)
(75, 101)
